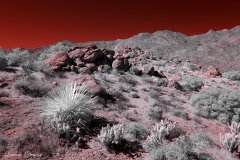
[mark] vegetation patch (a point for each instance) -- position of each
(216, 103)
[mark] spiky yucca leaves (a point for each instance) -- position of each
(73, 106)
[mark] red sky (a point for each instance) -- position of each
(35, 23)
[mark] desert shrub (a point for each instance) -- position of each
(221, 104)
(17, 57)
(158, 81)
(179, 113)
(3, 63)
(159, 63)
(106, 68)
(236, 118)
(147, 79)
(154, 94)
(157, 55)
(200, 142)
(152, 101)
(153, 113)
(131, 54)
(137, 131)
(190, 66)
(174, 152)
(135, 71)
(3, 145)
(144, 56)
(190, 82)
(73, 106)
(144, 88)
(133, 95)
(143, 62)
(205, 156)
(232, 75)
(38, 139)
(158, 154)
(128, 79)
(31, 87)
(49, 51)
(184, 148)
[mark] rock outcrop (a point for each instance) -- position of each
(212, 72)
(59, 60)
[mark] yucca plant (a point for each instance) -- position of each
(73, 106)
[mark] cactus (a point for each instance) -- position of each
(235, 127)
(230, 141)
(111, 135)
(154, 140)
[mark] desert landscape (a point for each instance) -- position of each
(159, 96)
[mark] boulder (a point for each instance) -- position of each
(148, 69)
(59, 60)
(121, 64)
(91, 84)
(51, 85)
(91, 66)
(79, 63)
(159, 74)
(92, 56)
(212, 72)
(77, 53)
(178, 86)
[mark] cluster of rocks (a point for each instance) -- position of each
(88, 58)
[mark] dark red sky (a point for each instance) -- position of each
(35, 23)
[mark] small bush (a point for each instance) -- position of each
(128, 80)
(153, 113)
(191, 83)
(144, 88)
(159, 63)
(106, 69)
(232, 75)
(174, 152)
(152, 101)
(37, 139)
(179, 113)
(190, 66)
(200, 142)
(131, 54)
(157, 154)
(137, 131)
(134, 95)
(135, 71)
(17, 57)
(3, 63)
(31, 88)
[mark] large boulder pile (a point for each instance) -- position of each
(87, 58)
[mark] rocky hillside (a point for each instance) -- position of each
(159, 96)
